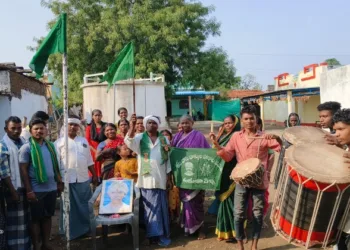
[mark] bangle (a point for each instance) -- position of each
(30, 192)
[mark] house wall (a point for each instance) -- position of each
(335, 86)
(28, 104)
(5, 111)
(276, 112)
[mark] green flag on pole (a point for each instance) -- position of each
(196, 168)
(123, 67)
(55, 42)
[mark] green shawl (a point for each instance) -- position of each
(145, 148)
(38, 162)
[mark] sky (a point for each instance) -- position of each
(263, 37)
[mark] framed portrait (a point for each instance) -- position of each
(116, 197)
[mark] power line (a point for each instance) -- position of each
(270, 54)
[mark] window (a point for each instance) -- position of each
(183, 104)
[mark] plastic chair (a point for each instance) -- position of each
(105, 221)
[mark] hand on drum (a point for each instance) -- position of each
(346, 156)
(331, 139)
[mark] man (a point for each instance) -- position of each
(326, 111)
(341, 120)
(42, 180)
(154, 176)
(77, 177)
(17, 217)
(37, 115)
(243, 145)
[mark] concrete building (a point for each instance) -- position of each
(298, 93)
(335, 85)
(20, 95)
(149, 97)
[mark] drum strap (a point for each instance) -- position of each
(259, 149)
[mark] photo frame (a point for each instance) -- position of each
(117, 196)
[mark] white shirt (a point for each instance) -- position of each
(79, 159)
(158, 176)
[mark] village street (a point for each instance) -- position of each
(269, 239)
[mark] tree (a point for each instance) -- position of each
(212, 70)
(248, 81)
(332, 62)
(168, 36)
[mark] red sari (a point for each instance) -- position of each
(93, 144)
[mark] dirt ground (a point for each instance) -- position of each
(269, 240)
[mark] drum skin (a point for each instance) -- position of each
(299, 134)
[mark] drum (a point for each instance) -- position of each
(296, 135)
(249, 173)
(313, 196)
(299, 134)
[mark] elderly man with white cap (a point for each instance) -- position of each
(154, 177)
(76, 175)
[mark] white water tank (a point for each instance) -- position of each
(149, 99)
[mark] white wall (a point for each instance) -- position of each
(4, 81)
(5, 111)
(28, 104)
(150, 99)
(335, 86)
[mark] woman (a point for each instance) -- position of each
(293, 120)
(225, 229)
(94, 136)
(174, 193)
(192, 218)
(123, 113)
(123, 127)
(106, 150)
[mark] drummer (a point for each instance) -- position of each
(243, 145)
(326, 111)
(341, 120)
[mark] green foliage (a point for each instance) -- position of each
(168, 36)
(212, 70)
(332, 62)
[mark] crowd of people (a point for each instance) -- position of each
(33, 174)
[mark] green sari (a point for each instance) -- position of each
(225, 222)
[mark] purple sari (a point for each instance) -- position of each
(192, 217)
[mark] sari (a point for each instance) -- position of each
(225, 228)
(93, 136)
(108, 161)
(192, 217)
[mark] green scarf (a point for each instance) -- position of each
(38, 163)
(145, 147)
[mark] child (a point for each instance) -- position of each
(126, 167)
(174, 194)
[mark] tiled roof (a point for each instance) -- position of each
(241, 93)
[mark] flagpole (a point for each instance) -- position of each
(114, 121)
(66, 201)
(133, 95)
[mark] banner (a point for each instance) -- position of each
(196, 168)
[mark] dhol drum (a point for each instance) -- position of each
(249, 173)
(294, 136)
(313, 196)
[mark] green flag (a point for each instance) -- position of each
(55, 42)
(196, 168)
(123, 68)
